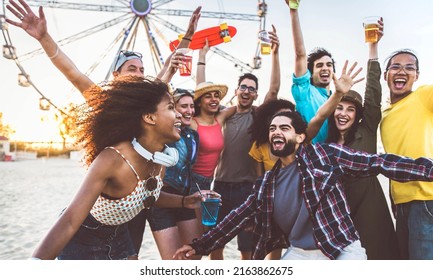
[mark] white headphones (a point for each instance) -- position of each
(168, 157)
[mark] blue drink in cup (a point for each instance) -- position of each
(209, 211)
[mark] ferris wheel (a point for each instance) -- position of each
(149, 22)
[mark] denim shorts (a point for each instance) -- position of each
(232, 196)
(203, 182)
(163, 218)
(136, 228)
(96, 241)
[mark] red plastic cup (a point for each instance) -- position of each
(185, 69)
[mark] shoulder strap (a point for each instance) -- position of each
(127, 161)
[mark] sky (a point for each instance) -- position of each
(333, 24)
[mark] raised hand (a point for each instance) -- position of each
(275, 43)
(192, 26)
(347, 78)
(29, 22)
(203, 51)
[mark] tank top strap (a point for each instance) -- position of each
(126, 160)
(195, 119)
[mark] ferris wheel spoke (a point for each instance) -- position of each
(123, 34)
(124, 2)
(78, 6)
(79, 35)
(156, 53)
(159, 3)
(205, 14)
(127, 37)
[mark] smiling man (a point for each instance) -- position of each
(407, 129)
(312, 77)
(235, 173)
(301, 201)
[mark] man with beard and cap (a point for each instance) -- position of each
(301, 201)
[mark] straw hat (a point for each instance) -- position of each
(206, 87)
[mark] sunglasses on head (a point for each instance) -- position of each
(180, 91)
(126, 54)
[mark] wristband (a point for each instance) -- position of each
(56, 54)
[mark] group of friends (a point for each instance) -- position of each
(296, 180)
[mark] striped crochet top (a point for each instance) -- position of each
(116, 211)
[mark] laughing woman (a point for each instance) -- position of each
(173, 227)
(355, 124)
(124, 135)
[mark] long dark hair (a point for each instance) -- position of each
(259, 129)
(349, 137)
(113, 113)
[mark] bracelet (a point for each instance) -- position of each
(183, 199)
(201, 63)
(374, 59)
(186, 38)
(56, 54)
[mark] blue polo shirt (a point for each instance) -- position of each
(308, 99)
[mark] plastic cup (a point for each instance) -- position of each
(185, 69)
(265, 42)
(209, 211)
(371, 29)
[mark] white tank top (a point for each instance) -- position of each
(119, 211)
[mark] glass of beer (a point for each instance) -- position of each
(371, 29)
(265, 42)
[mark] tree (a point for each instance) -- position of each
(5, 129)
(67, 123)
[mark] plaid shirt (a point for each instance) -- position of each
(321, 166)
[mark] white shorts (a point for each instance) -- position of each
(353, 251)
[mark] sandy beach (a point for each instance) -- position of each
(33, 193)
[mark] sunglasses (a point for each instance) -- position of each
(124, 53)
(152, 187)
(250, 89)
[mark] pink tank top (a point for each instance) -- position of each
(211, 143)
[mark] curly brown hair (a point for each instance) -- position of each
(262, 115)
(113, 112)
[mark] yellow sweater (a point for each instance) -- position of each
(407, 129)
